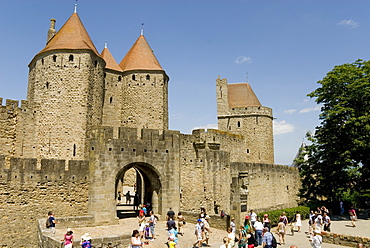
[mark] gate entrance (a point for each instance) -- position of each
(142, 183)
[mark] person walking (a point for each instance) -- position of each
(266, 221)
(298, 221)
(68, 239)
(141, 220)
(352, 216)
(316, 239)
(267, 238)
(231, 238)
(180, 223)
(152, 222)
(251, 240)
(232, 225)
(283, 218)
(258, 227)
(207, 230)
(198, 233)
(327, 222)
(128, 197)
(243, 240)
(281, 232)
(252, 217)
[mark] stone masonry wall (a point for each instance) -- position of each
(65, 86)
(145, 102)
(27, 194)
(205, 175)
(263, 187)
(113, 99)
(8, 124)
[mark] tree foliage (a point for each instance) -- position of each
(338, 158)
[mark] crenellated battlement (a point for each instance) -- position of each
(21, 170)
(132, 134)
(10, 105)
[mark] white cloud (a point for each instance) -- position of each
(307, 110)
(242, 59)
(350, 23)
(208, 126)
(281, 127)
(289, 111)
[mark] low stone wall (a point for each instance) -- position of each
(345, 240)
(49, 240)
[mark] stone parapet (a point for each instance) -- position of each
(345, 240)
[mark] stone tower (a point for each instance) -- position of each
(239, 111)
(65, 83)
(113, 88)
(145, 88)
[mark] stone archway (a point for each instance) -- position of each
(148, 185)
(155, 156)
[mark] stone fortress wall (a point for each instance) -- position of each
(27, 193)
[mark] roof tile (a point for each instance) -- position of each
(242, 95)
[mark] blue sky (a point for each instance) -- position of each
(282, 47)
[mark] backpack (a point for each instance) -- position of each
(48, 223)
(273, 242)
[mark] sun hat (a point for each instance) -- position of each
(317, 231)
(86, 236)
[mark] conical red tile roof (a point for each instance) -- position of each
(140, 57)
(242, 95)
(72, 35)
(109, 60)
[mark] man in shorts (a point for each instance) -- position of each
(199, 233)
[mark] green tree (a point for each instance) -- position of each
(338, 158)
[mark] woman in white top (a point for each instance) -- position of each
(135, 239)
(231, 238)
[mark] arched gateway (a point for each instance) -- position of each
(148, 185)
(153, 155)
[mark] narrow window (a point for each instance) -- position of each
(133, 77)
(96, 63)
(110, 99)
(42, 61)
(238, 123)
(119, 79)
(247, 150)
(105, 74)
(221, 91)
(55, 58)
(71, 58)
(148, 77)
(74, 150)
(47, 85)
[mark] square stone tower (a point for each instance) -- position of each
(239, 111)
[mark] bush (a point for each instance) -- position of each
(289, 212)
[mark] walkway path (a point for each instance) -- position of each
(339, 225)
